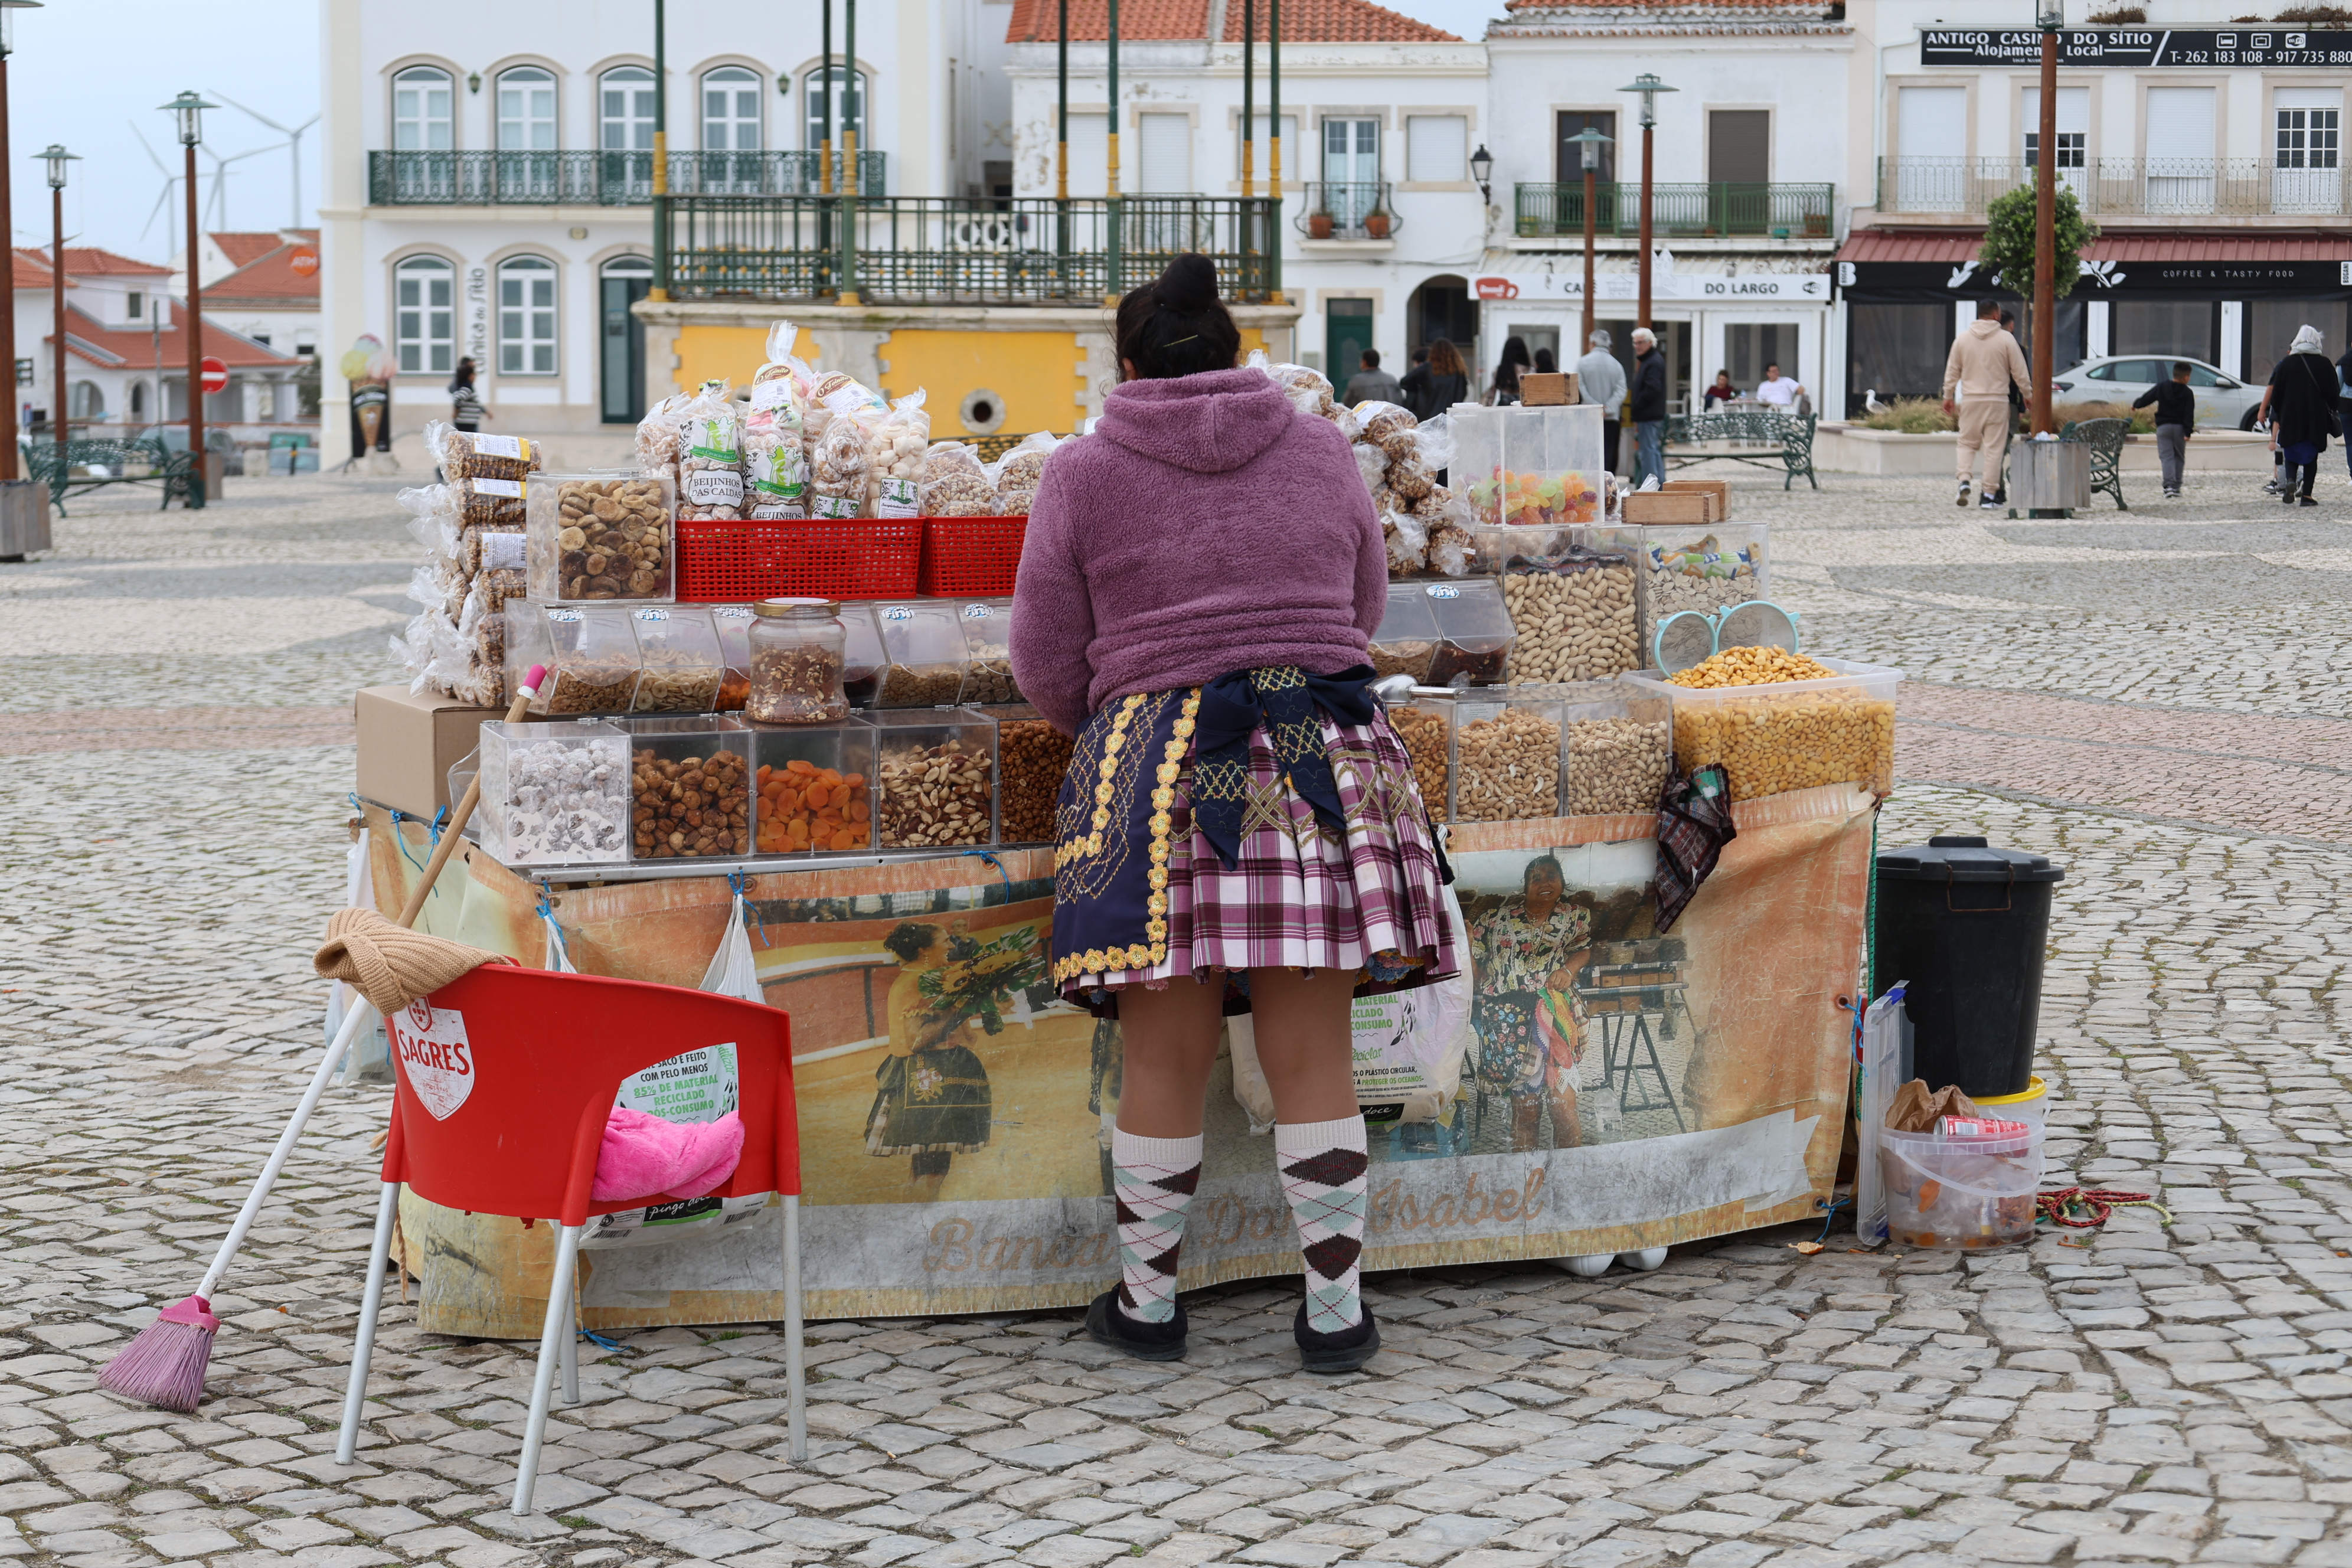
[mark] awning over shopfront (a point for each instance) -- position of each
(1939, 266)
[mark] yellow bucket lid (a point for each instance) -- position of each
(2034, 1090)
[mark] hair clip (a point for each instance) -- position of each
(1171, 344)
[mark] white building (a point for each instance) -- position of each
(1383, 225)
(262, 284)
(487, 180)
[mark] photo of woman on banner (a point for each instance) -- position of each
(932, 1101)
(1530, 1025)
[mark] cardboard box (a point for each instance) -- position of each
(407, 743)
(1717, 491)
(1548, 389)
(1668, 507)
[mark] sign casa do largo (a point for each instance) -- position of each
(2137, 47)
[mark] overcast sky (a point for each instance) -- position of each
(85, 72)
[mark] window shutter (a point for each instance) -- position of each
(1164, 161)
(1436, 147)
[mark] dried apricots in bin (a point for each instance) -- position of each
(815, 790)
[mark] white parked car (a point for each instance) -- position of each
(2223, 401)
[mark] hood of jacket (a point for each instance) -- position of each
(1984, 327)
(1210, 422)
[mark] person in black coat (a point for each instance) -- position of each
(1645, 405)
(2301, 407)
(2344, 403)
(1437, 382)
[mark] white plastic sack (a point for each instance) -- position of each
(698, 1086)
(369, 1059)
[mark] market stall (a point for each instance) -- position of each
(844, 808)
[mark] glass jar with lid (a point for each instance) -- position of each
(797, 654)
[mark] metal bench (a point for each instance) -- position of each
(2105, 439)
(1791, 432)
(109, 461)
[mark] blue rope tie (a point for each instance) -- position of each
(742, 885)
(990, 857)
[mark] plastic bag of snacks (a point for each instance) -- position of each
(473, 454)
(1407, 538)
(1308, 389)
(710, 457)
(954, 483)
(1382, 420)
(775, 452)
(1410, 474)
(657, 437)
(839, 462)
(1018, 473)
(897, 440)
(830, 395)
(412, 649)
(1448, 518)
(1371, 463)
(431, 519)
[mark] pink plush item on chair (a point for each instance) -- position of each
(643, 1156)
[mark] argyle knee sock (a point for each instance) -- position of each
(1153, 1181)
(1322, 1166)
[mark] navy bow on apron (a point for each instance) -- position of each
(1286, 701)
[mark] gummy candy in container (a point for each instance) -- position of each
(1530, 467)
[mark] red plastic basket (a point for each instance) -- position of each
(861, 558)
(714, 563)
(971, 556)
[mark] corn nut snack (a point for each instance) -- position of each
(935, 796)
(1751, 666)
(690, 808)
(1506, 767)
(1615, 767)
(1776, 741)
(1576, 621)
(614, 541)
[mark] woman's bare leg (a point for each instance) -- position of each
(1168, 1041)
(1304, 1043)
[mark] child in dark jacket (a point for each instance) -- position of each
(2176, 420)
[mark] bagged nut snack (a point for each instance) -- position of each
(490, 503)
(832, 395)
(953, 483)
(1018, 473)
(600, 536)
(775, 454)
(896, 442)
(473, 454)
(659, 436)
(1507, 762)
(1308, 389)
(1382, 420)
(1407, 540)
(710, 458)
(839, 463)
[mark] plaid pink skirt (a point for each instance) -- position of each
(1299, 896)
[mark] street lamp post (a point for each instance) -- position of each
(1588, 143)
(8, 316)
(56, 158)
(1649, 87)
(2050, 16)
(187, 114)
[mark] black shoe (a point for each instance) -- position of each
(2286, 498)
(1344, 1351)
(2306, 501)
(1145, 1341)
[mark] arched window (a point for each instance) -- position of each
(527, 316)
(625, 110)
(424, 316)
(848, 105)
(731, 110)
(138, 400)
(85, 401)
(526, 110)
(421, 121)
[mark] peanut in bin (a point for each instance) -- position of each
(803, 807)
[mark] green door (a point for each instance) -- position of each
(1346, 333)
(622, 358)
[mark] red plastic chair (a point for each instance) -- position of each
(506, 1078)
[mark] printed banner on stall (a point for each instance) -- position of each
(1614, 1087)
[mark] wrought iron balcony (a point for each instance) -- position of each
(1677, 211)
(955, 250)
(599, 179)
(1354, 209)
(2117, 187)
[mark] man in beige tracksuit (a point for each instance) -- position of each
(1984, 360)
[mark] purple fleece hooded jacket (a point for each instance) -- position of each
(1206, 526)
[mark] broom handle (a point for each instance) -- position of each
(357, 1018)
(455, 831)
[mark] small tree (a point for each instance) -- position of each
(2008, 252)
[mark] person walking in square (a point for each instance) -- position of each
(1600, 379)
(2176, 421)
(1373, 385)
(2301, 406)
(1646, 408)
(1984, 363)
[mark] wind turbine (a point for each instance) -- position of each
(170, 181)
(293, 135)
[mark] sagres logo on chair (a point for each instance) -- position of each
(435, 1053)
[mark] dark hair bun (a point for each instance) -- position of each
(1189, 284)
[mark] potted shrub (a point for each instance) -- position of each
(1376, 223)
(1318, 224)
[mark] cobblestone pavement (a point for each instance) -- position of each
(2153, 1393)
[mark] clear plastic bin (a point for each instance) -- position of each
(1032, 759)
(1577, 605)
(679, 665)
(1708, 567)
(1506, 759)
(554, 794)
(600, 536)
(923, 654)
(1619, 745)
(1794, 734)
(590, 652)
(1954, 1193)
(861, 654)
(1530, 467)
(1425, 726)
(935, 779)
(814, 785)
(1407, 639)
(733, 625)
(988, 645)
(689, 788)
(1474, 634)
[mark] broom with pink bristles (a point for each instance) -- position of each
(163, 1365)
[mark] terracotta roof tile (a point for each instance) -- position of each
(269, 277)
(1303, 22)
(1035, 21)
(1678, 10)
(31, 268)
(244, 247)
(89, 261)
(1337, 22)
(116, 345)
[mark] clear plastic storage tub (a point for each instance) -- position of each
(1959, 1192)
(1530, 466)
(1708, 567)
(555, 794)
(1794, 734)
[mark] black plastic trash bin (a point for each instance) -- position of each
(1965, 927)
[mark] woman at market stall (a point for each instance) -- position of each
(2300, 403)
(1530, 1025)
(1239, 820)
